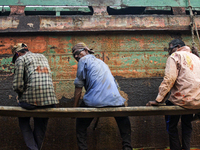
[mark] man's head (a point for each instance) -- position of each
(80, 50)
(174, 45)
(18, 50)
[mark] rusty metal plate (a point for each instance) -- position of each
(95, 23)
(178, 10)
(141, 3)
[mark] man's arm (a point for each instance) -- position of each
(18, 81)
(155, 103)
(171, 73)
(79, 82)
(77, 95)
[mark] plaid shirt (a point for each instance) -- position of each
(33, 81)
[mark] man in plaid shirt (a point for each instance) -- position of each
(33, 84)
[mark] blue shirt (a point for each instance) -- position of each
(101, 88)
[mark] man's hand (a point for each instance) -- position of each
(152, 103)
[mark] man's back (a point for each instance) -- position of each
(33, 78)
(101, 88)
(186, 90)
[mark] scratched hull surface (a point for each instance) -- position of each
(78, 23)
(136, 59)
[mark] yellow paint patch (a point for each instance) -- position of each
(189, 62)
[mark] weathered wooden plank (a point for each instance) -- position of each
(95, 112)
(95, 23)
(141, 3)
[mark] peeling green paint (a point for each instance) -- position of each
(6, 65)
(174, 3)
(6, 61)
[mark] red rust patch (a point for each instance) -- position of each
(191, 67)
(178, 94)
(44, 70)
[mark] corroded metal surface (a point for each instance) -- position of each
(178, 10)
(175, 3)
(100, 10)
(128, 54)
(17, 10)
(95, 23)
(52, 8)
(136, 59)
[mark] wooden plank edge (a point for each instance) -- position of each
(14, 111)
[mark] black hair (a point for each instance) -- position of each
(15, 56)
(177, 42)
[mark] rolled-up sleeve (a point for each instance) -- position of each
(78, 83)
(18, 81)
(171, 73)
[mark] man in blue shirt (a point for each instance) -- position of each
(101, 91)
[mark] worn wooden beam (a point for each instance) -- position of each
(13, 111)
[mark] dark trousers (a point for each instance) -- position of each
(123, 124)
(171, 125)
(33, 138)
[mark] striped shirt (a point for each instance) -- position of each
(33, 81)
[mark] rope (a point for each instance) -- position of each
(193, 24)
